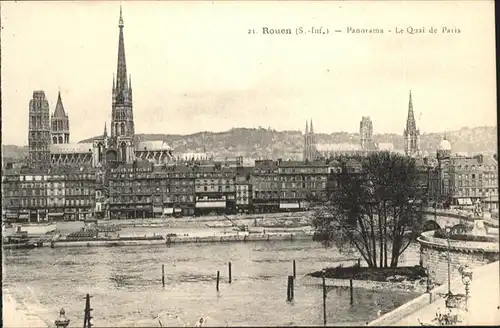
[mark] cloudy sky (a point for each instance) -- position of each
(195, 68)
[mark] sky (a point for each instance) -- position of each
(194, 66)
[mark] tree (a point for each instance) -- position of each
(374, 206)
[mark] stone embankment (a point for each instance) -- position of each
(215, 238)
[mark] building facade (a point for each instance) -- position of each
(464, 180)
(301, 183)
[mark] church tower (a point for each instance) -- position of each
(122, 116)
(366, 133)
(309, 153)
(59, 124)
(39, 130)
(411, 133)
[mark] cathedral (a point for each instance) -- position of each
(49, 137)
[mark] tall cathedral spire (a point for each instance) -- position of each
(411, 133)
(307, 127)
(311, 129)
(410, 120)
(121, 71)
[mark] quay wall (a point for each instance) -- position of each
(434, 255)
(395, 316)
(179, 240)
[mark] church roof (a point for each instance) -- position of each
(389, 146)
(79, 148)
(337, 147)
(152, 145)
(59, 112)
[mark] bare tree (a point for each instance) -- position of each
(374, 206)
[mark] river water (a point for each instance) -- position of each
(125, 285)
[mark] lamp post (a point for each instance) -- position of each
(448, 231)
(324, 296)
(62, 321)
(466, 280)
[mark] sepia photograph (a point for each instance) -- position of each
(249, 163)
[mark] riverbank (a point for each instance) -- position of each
(400, 278)
(170, 240)
(17, 315)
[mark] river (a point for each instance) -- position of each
(126, 290)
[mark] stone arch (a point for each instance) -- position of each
(123, 151)
(54, 140)
(60, 139)
(431, 225)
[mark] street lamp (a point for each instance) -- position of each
(466, 280)
(323, 274)
(448, 232)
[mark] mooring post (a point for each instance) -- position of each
(288, 290)
(87, 317)
(294, 272)
(230, 273)
(163, 275)
(292, 292)
(351, 291)
(324, 299)
(218, 276)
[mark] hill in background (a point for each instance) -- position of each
(268, 143)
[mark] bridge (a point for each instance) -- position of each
(449, 218)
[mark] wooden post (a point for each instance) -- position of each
(163, 275)
(230, 273)
(324, 300)
(290, 278)
(218, 275)
(351, 291)
(288, 290)
(294, 271)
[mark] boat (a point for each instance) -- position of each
(18, 241)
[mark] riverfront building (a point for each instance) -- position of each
(464, 180)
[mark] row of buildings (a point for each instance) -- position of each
(143, 189)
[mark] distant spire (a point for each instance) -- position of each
(129, 81)
(121, 71)
(311, 126)
(59, 112)
(410, 120)
(105, 134)
(120, 21)
(307, 127)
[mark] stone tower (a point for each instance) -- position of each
(309, 153)
(39, 130)
(122, 115)
(59, 124)
(366, 133)
(411, 133)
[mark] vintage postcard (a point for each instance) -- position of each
(249, 163)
